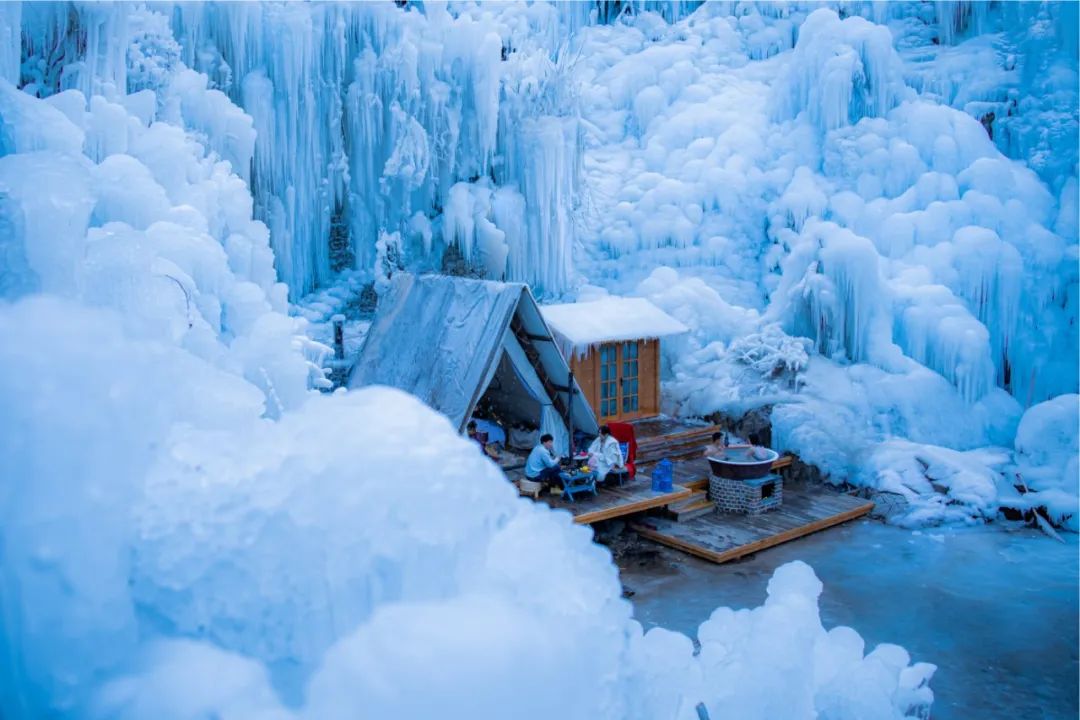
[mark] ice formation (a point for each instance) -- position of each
(855, 178)
(189, 529)
(865, 216)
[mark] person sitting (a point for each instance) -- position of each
(543, 464)
(605, 455)
(717, 447)
(471, 431)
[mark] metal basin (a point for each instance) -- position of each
(743, 462)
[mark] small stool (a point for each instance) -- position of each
(529, 488)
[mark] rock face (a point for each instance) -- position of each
(888, 505)
(800, 472)
(755, 426)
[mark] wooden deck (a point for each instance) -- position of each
(694, 474)
(691, 474)
(631, 498)
(658, 437)
(721, 537)
(663, 427)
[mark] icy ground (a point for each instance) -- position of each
(996, 609)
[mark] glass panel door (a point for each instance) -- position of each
(609, 381)
(629, 379)
(619, 381)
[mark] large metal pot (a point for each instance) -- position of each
(743, 462)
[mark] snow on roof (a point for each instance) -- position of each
(609, 319)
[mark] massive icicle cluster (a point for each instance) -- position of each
(840, 176)
(441, 126)
(887, 257)
(188, 530)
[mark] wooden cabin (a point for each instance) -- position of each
(613, 345)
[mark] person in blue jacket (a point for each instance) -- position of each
(543, 464)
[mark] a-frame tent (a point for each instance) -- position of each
(451, 341)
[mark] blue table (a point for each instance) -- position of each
(577, 482)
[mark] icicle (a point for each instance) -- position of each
(10, 41)
(934, 328)
(957, 18)
(841, 71)
(990, 275)
(833, 293)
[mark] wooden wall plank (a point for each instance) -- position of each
(586, 372)
(650, 377)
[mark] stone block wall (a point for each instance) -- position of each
(751, 497)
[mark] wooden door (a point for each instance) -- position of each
(621, 388)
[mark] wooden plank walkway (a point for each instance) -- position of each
(631, 498)
(663, 427)
(721, 537)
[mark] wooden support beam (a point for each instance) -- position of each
(539, 338)
(783, 462)
(523, 337)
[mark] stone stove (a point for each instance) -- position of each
(751, 497)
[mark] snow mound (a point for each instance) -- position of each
(939, 485)
(322, 565)
(1047, 448)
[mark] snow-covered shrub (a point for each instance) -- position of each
(772, 353)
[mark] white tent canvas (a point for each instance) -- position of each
(449, 341)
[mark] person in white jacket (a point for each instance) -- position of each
(605, 455)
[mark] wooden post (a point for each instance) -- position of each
(339, 336)
(570, 414)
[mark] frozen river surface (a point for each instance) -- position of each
(995, 608)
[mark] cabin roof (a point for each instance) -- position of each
(611, 319)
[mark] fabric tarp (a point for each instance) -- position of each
(437, 340)
(549, 420)
(442, 338)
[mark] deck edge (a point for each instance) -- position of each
(758, 545)
(589, 518)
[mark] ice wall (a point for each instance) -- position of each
(131, 202)
(829, 174)
(895, 182)
(369, 116)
